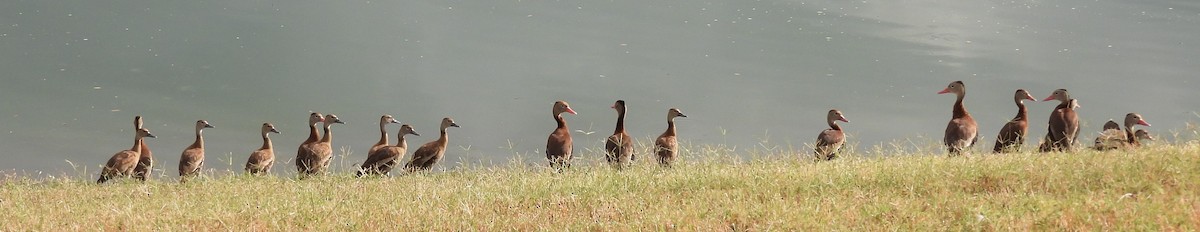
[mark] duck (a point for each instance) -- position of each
(1111, 125)
(192, 159)
(306, 151)
(619, 146)
(830, 141)
(323, 150)
(961, 132)
(429, 154)
(1063, 126)
(666, 147)
(1142, 134)
(383, 160)
(261, 160)
(145, 166)
(123, 162)
(558, 146)
(1012, 135)
(383, 135)
(1115, 139)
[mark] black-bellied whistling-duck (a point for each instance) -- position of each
(145, 164)
(619, 146)
(830, 141)
(558, 146)
(432, 152)
(1112, 139)
(961, 131)
(192, 158)
(383, 135)
(1141, 134)
(323, 150)
(1111, 125)
(305, 153)
(1063, 127)
(382, 161)
(1012, 135)
(261, 160)
(123, 163)
(666, 146)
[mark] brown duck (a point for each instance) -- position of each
(558, 146)
(666, 146)
(261, 160)
(830, 141)
(1112, 139)
(145, 165)
(305, 153)
(432, 152)
(192, 159)
(1012, 135)
(620, 145)
(383, 135)
(1063, 126)
(385, 159)
(123, 163)
(961, 132)
(323, 150)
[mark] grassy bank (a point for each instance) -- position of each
(1155, 188)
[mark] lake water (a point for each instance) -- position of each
(74, 73)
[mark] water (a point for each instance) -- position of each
(745, 72)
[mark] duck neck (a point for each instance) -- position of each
(145, 149)
(137, 143)
(620, 121)
(1022, 112)
(1063, 104)
(383, 136)
(312, 133)
(266, 141)
(960, 111)
(562, 124)
(328, 134)
(670, 127)
(444, 138)
(199, 139)
(1129, 136)
(400, 142)
(833, 125)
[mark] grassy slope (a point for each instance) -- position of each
(1156, 188)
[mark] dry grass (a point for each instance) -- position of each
(1154, 188)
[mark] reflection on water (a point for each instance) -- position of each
(76, 72)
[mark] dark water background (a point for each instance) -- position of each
(74, 73)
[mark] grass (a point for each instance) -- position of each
(1154, 188)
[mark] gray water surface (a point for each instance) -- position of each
(74, 73)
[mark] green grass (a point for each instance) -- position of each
(1154, 188)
